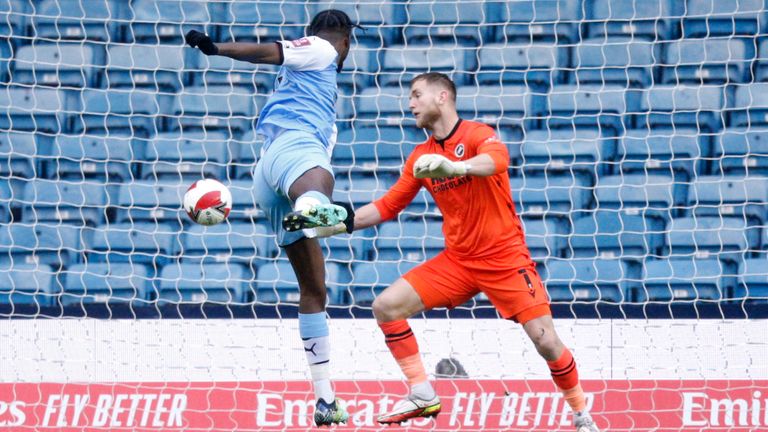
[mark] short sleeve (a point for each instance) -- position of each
(308, 53)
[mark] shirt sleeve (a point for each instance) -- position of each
(308, 53)
(401, 193)
(488, 142)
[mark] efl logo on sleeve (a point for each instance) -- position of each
(301, 42)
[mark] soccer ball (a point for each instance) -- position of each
(208, 202)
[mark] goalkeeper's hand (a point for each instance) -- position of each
(344, 227)
(437, 166)
(202, 41)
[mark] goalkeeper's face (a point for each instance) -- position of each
(425, 102)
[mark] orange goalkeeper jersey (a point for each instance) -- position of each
(479, 218)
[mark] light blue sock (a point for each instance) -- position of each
(314, 332)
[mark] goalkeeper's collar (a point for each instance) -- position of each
(450, 134)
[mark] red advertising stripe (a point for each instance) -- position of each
(468, 405)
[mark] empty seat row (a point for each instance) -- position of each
(567, 281)
(464, 23)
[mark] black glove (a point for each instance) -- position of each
(349, 222)
(202, 41)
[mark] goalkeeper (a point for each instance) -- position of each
(293, 179)
(464, 166)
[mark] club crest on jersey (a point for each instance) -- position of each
(459, 152)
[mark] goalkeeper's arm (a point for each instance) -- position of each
(267, 53)
(438, 166)
(366, 216)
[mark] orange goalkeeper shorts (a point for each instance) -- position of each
(516, 292)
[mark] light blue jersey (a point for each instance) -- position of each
(299, 127)
(305, 94)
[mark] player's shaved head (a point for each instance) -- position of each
(438, 79)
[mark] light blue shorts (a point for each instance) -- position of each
(285, 159)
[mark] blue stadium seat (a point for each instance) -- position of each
(596, 106)
(750, 106)
(61, 64)
(77, 19)
(201, 283)
(616, 234)
(360, 69)
(80, 203)
(175, 157)
(223, 71)
(347, 248)
(165, 21)
(265, 21)
(81, 157)
(623, 61)
(550, 197)
(409, 241)
(741, 151)
(536, 65)
(276, 283)
(36, 109)
(447, 22)
(13, 18)
(730, 196)
(359, 190)
(29, 284)
(675, 106)
(647, 195)
(42, 243)
(17, 152)
(587, 280)
(708, 18)
(498, 106)
(402, 63)
(381, 19)
(7, 202)
(244, 205)
(527, 20)
(158, 67)
(137, 243)
(121, 112)
(753, 279)
(666, 152)
(681, 280)
(236, 242)
(566, 152)
(371, 278)
(375, 149)
(545, 238)
(245, 153)
(383, 106)
(646, 19)
(716, 61)
(761, 68)
(143, 201)
(107, 283)
(728, 239)
(216, 108)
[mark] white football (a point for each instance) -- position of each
(208, 202)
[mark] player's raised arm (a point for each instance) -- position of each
(267, 53)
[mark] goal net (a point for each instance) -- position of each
(638, 141)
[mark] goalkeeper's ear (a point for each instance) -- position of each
(349, 222)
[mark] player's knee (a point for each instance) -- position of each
(547, 343)
(384, 309)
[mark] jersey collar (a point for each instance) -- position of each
(450, 135)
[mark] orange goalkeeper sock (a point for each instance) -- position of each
(566, 377)
(404, 348)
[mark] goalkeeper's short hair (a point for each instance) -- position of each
(437, 78)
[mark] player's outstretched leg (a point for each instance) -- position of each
(327, 414)
(312, 210)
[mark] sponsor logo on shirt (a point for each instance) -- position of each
(301, 42)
